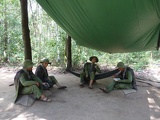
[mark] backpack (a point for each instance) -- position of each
(16, 80)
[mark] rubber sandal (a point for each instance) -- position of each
(103, 89)
(45, 99)
(81, 85)
(62, 87)
(90, 87)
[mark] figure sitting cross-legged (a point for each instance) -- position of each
(28, 83)
(42, 73)
(125, 79)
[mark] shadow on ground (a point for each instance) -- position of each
(77, 103)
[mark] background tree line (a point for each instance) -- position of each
(49, 40)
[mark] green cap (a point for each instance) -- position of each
(28, 64)
(45, 60)
(121, 65)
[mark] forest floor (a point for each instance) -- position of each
(77, 103)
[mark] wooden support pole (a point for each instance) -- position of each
(69, 53)
(25, 30)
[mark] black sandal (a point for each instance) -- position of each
(62, 87)
(104, 90)
(90, 87)
(81, 85)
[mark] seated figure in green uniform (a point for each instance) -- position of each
(89, 71)
(42, 73)
(124, 79)
(27, 83)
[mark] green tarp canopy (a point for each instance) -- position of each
(112, 26)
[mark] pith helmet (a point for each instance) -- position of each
(93, 57)
(121, 65)
(45, 60)
(28, 63)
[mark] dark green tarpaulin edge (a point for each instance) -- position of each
(112, 26)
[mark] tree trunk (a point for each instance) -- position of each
(69, 54)
(25, 30)
(5, 35)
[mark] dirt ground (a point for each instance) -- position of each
(77, 103)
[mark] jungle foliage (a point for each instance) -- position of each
(49, 40)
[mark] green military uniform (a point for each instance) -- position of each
(25, 81)
(89, 71)
(126, 79)
(42, 73)
(124, 83)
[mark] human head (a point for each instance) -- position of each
(28, 64)
(45, 62)
(121, 66)
(93, 59)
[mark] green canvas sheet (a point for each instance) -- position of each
(112, 26)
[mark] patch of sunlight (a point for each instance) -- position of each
(157, 95)
(153, 106)
(157, 91)
(153, 118)
(26, 116)
(157, 77)
(150, 100)
(148, 92)
(20, 117)
(9, 106)
(1, 100)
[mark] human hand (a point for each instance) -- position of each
(86, 76)
(44, 83)
(37, 83)
(95, 65)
